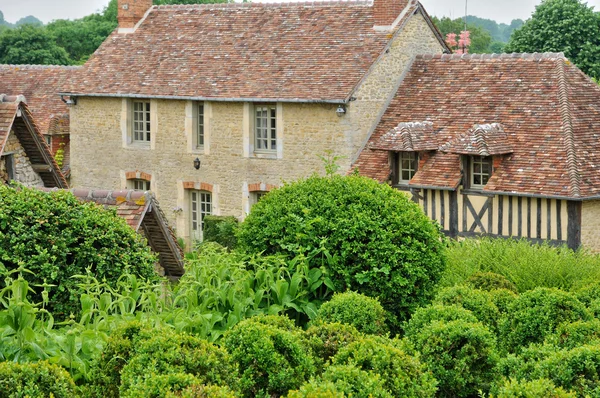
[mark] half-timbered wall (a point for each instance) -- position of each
(466, 214)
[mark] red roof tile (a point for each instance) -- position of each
(481, 140)
(293, 51)
(549, 109)
(40, 85)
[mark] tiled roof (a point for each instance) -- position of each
(142, 212)
(416, 136)
(481, 140)
(59, 124)
(15, 117)
(549, 110)
(294, 51)
(40, 85)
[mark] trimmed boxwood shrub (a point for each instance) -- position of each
(536, 314)
(39, 379)
(271, 360)
(575, 334)
(437, 312)
(403, 375)
(503, 298)
(278, 321)
(203, 391)
(221, 229)
(176, 357)
(160, 385)
(490, 281)
(523, 365)
(461, 355)
(56, 236)
(539, 388)
(479, 302)
(362, 312)
(317, 390)
(376, 240)
(326, 339)
(355, 382)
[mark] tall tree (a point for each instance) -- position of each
(480, 38)
(567, 26)
(31, 45)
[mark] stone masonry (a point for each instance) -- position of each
(24, 173)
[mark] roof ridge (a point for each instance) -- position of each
(29, 66)
(504, 56)
(567, 127)
(291, 4)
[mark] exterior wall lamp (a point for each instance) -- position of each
(341, 110)
(197, 163)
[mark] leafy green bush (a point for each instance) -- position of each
(35, 380)
(479, 302)
(355, 382)
(403, 375)
(278, 321)
(374, 239)
(502, 298)
(221, 229)
(178, 354)
(317, 389)
(362, 312)
(437, 312)
(462, 356)
(204, 391)
(522, 366)
(539, 388)
(326, 339)
(55, 236)
(525, 264)
(575, 334)
(490, 281)
(271, 360)
(536, 314)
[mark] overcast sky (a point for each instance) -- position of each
(499, 10)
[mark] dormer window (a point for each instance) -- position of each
(480, 171)
(407, 166)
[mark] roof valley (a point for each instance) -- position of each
(567, 128)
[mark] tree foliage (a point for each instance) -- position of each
(480, 38)
(567, 26)
(31, 45)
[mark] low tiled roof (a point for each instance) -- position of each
(142, 212)
(412, 136)
(15, 117)
(292, 51)
(59, 124)
(549, 109)
(481, 140)
(40, 85)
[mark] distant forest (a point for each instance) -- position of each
(71, 42)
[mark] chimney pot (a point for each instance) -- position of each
(130, 12)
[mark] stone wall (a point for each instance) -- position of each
(590, 225)
(101, 156)
(24, 173)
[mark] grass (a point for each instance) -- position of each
(524, 264)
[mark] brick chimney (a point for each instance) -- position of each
(385, 12)
(130, 12)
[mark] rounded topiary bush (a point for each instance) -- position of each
(490, 281)
(176, 357)
(403, 375)
(378, 242)
(204, 391)
(362, 312)
(355, 382)
(536, 314)
(437, 312)
(317, 389)
(575, 334)
(326, 339)
(539, 388)
(271, 360)
(503, 298)
(461, 355)
(56, 236)
(278, 321)
(39, 379)
(479, 302)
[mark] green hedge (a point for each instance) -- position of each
(35, 380)
(221, 229)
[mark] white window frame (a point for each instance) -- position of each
(265, 127)
(411, 161)
(480, 169)
(200, 126)
(141, 121)
(139, 184)
(201, 204)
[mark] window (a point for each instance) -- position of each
(141, 121)
(199, 136)
(407, 166)
(256, 196)
(139, 184)
(480, 171)
(200, 207)
(48, 140)
(265, 128)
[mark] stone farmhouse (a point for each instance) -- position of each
(24, 155)
(210, 106)
(500, 145)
